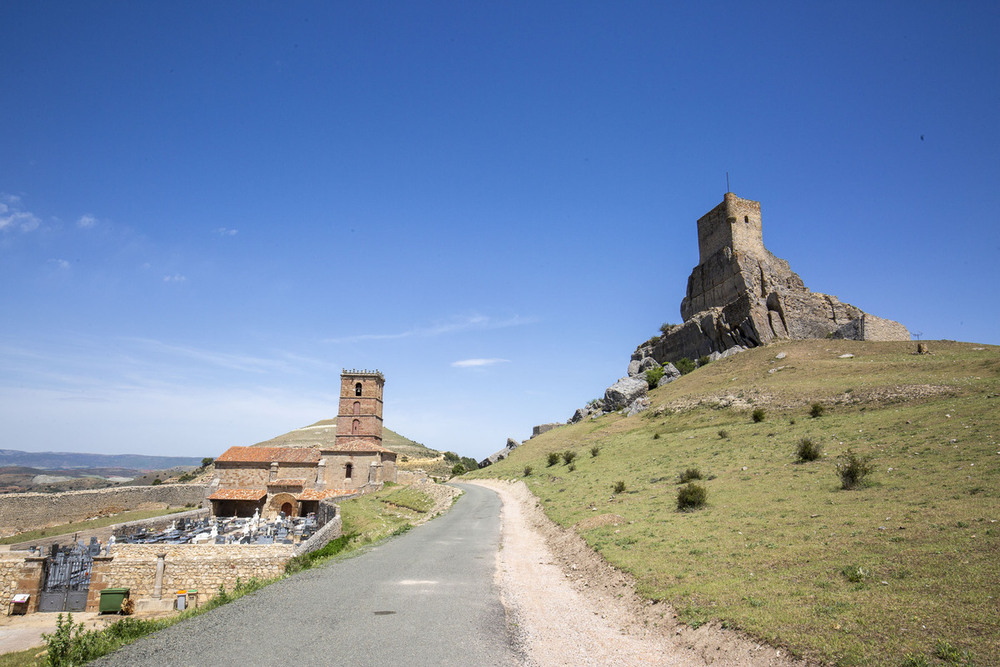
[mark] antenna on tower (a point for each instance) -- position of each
(727, 181)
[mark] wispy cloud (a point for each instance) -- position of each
(454, 325)
(60, 264)
(86, 221)
(225, 231)
(174, 278)
(13, 215)
(478, 363)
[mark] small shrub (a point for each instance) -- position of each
(594, 451)
(653, 376)
(553, 458)
(704, 360)
(571, 467)
(157, 481)
(855, 573)
(808, 450)
(689, 474)
(758, 415)
(690, 497)
(852, 469)
(684, 365)
(951, 654)
(666, 328)
(207, 461)
(656, 436)
(527, 470)
(816, 410)
(915, 660)
(568, 456)
(723, 434)
(186, 477)
(457, 469)
(450, 456)
(619, 487)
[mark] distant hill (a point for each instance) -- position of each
(74, 460)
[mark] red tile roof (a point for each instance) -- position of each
(357, 445)
(313, 494)
(238, 494)
(269, 455)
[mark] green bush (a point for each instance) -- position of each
(666, 328)
(527, 470)
(457, 469)
(619, 487)
(568, 456)
(450, 456)
(307, 560)
(853, 469)
(689, 474)
(690, 497)
(684, 365)
(571, 467)
(207, 461)
(704, 360)
(553, 458)
(808, 450)
(758, 415)
(653, 376)
(816, 410)
(157, 481)
(469, 463)
(723, 434)
(594, 451)
(186, 477)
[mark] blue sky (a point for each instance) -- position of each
(208, 209)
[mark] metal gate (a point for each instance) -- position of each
(67, 580)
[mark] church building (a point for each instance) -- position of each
(295, 479)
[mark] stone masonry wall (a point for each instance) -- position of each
(24, 511)
(202, 567)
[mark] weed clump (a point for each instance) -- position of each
(808, 450)
(758, 415)
(685, 366)
(527, 470)
(816, 410)
(553, 458)
(723, 434)
(852, 469)
(619, 487)
(571, 467)
(568, 456)
(594, 451)
(653, 376)
(704, 360)
(690, 497)
(689, 474)
(656, 436)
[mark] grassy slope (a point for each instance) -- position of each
(769, 552)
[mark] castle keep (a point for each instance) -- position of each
(740, 296)
(272, 479)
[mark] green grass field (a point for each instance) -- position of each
(90, 524)
(900, 569)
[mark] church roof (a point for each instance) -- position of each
(313, 494)
(238, 494)
(269, 455)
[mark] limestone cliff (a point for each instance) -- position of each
(740, 295)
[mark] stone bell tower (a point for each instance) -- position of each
(359, 416)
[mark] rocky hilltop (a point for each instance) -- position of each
(741, 295)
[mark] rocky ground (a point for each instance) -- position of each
(574, 609)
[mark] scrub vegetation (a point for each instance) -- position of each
(890, 571)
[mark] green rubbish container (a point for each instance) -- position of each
(112, 599)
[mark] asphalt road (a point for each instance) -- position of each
(426, 597)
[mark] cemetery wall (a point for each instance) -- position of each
(203, 567)
(24, 511)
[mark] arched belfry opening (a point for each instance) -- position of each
(357, 389)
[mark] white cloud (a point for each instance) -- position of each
(225, 231)
(60, 264)
(86, 221)
(455, 325)
(478, 363)
(174, 278)
(13, 216)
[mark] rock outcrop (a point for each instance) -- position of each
(741, 296)
(511, 445)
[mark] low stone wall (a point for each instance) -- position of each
(203, 567)
(332, 528)
(24, 511)
(157, 523)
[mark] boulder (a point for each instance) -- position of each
(670, 373)
(637, 406)
(633, 368)
(623, 392)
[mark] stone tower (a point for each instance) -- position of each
(359, 417)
